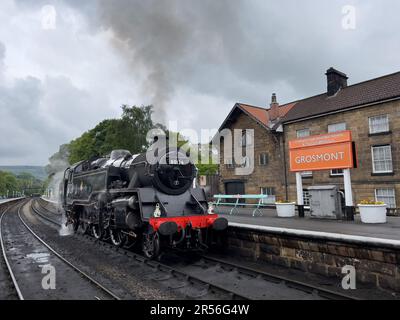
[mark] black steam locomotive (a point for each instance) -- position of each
(131, 201)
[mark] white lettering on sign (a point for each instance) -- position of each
(324, 157)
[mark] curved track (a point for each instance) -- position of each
(233, 280)
(72, 283)
(4, 254)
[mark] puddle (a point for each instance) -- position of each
(40, 257)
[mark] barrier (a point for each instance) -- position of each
(263, 201)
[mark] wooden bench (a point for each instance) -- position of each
(263, 200)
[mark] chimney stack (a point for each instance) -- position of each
(274, 106)
(336, 80)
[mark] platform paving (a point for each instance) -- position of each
(390, 230)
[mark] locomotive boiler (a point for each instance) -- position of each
(135, 202)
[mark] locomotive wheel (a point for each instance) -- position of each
(75, 225)
(117, 238)
(83, 228)
(151, 245)
(97, 232)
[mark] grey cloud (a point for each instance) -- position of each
(243, 50)
(2, 56)
(37, 116)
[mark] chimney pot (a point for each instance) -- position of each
(336, 80)
(274, 108)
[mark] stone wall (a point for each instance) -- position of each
(376, 265)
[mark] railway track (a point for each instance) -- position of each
(22, 241)
(14, 284)
(233, 280)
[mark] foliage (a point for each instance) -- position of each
(129, 133)
(22, 183)
(284, 202)
(371, 202)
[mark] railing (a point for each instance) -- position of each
(263, 200)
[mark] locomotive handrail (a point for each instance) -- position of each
(263, 200)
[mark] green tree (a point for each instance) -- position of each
(127, 133)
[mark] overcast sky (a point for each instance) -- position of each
(66, 65)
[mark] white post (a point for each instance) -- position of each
(299, 188)
(347, 188)
(348, 194)
(194, 183)
(300, 199)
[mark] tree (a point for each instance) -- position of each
(129, 133)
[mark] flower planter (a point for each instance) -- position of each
(371, 213)
(285, 210)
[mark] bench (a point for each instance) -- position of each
(263, 200)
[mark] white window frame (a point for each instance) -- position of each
(262, 189)
(299, 133)
(376, 128)
(388, 159)
(334, 127)
(387, 196)
(337, 174)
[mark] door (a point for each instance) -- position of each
(234, 188)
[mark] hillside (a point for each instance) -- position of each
(36, 171)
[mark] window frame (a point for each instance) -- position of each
(337, 124)
(266, 189)
(370, 125)
(394, 196)
(373, 159)
(266, 158)
(336, 174)
(302, 130)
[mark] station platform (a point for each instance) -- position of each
(353, 231)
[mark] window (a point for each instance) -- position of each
(336, 172)
(387, 196)
(336, 127)
(306, 198)
(263, 159)
(382, 159)
(270, 191)
(379, 124)
(302, 134)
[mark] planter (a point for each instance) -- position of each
(373, 213)
(285, 210)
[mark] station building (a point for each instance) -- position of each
(370, 109)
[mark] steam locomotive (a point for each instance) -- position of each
(134, 202)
